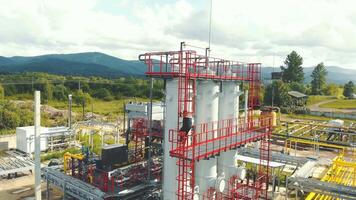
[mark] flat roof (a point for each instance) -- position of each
(257, 161)
(297, 94)
(111, 146)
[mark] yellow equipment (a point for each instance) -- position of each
(318, 143)
(341, 172)
(69, 156)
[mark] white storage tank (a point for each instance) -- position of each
(25, 139)
(229, 110)
(170, 169)
(207, 104)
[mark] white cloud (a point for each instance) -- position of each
(252, 31)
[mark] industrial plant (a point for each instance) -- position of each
(210, 137)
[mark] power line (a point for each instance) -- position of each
(64, 81)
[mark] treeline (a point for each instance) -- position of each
(55, 87)
(292, 79)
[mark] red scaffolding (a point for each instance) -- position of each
(201, 142)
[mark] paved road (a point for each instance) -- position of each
(316, 107)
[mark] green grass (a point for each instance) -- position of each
(107, 108)
(58, 154)
(315, 118)
(314, 99)
(341, 104)
(7, 132)
(84, 139)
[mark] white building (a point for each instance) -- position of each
(137, 110)
(25, 137)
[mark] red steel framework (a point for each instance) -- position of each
(139, 130)
(201, 142)
(139, 134)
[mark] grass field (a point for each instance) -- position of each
(341, 104)
(314, 99)
(312, 117)
(107, 108)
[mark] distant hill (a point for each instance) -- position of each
(100, 64)
(85, 64)
(335, 74)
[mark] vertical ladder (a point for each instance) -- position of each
(263, 172)
(186, 93)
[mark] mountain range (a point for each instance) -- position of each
(100, 64)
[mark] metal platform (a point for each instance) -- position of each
(15, 162)
(205, 150)
(72, 186)
(321, 187)
(276, 157)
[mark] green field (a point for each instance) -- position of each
(312, 117)
(101, 107)
(341, 104)
(314, 99)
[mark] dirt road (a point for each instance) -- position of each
(316, 107)
(10, 189)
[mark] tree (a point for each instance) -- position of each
(47, 92)
(81, 99)
(293, 70)
(10, 90)
(349, 89)
(333, 90)
(60, 92)
(104, 94)
(300, 87)
(281, 97)
(2, 92)
(318, 79)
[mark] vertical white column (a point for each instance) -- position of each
(170, 169)
(228, 109)
(207, 105)
(37, 120)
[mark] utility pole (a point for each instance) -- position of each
(150, 132)
(37, 120)
(70, 111)
(273, 84)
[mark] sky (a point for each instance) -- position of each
(242, 30)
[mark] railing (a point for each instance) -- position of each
(210, 139)
(188, 63)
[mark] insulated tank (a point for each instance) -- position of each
(229, 112)
(207, 103)
(170, 168)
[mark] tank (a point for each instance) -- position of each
(170, 168)
(274, 118)
(228, 109)
(207, 103)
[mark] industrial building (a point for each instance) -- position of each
(51, 138)
(208, 138)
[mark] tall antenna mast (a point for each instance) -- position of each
(210, 23)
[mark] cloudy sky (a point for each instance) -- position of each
(244, 30)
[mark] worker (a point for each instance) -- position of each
(186, 127)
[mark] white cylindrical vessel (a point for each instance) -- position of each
(207, 103)
(170, 169)
(229, 112)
